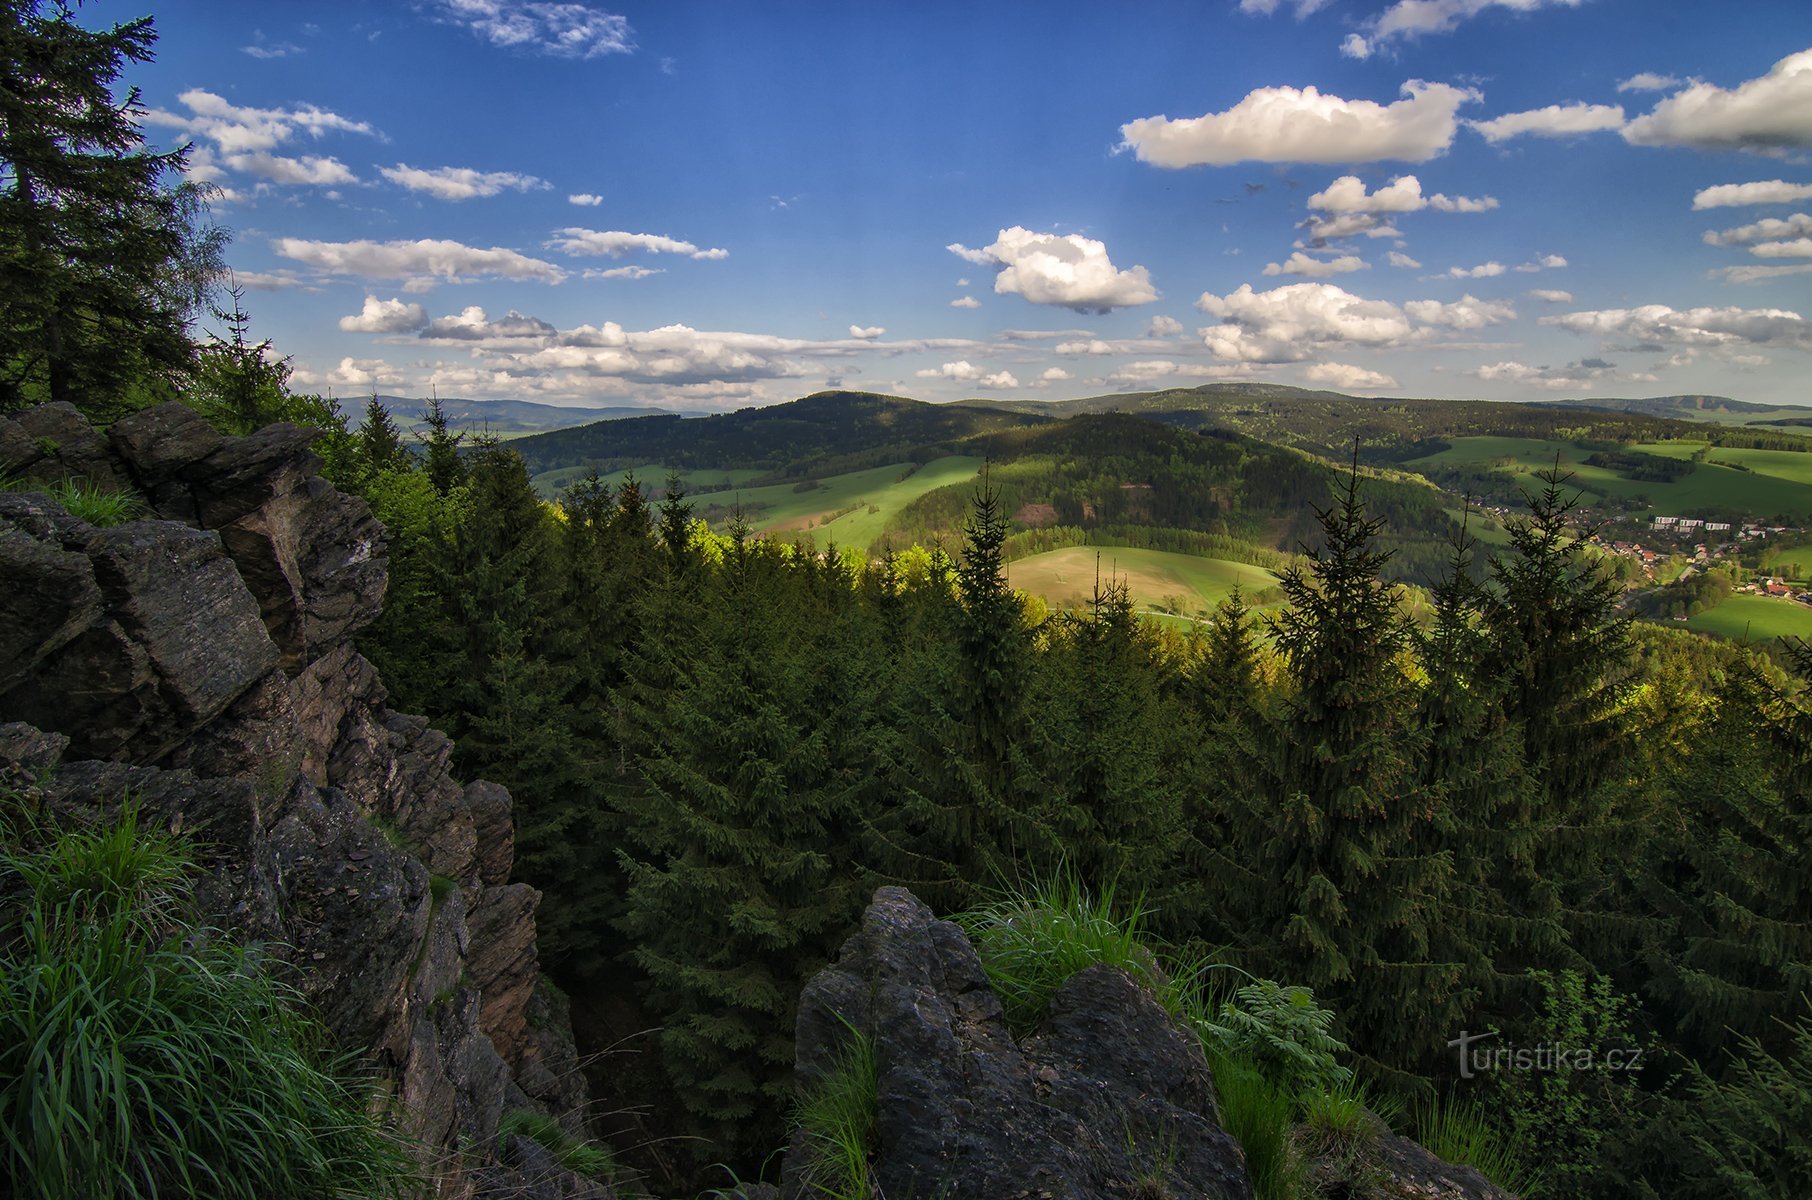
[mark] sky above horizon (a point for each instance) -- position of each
(709, 205)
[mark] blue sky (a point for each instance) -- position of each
(710, 205)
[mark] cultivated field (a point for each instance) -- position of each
(1774, 483)
(1066, 578)
(549, 484)
(850, 509)
(1758, 618)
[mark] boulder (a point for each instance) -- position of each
(64, 446)
(50, 595)
(1107, 1098)
(177, 639)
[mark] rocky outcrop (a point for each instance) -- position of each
(199, 661)
(1107, 1098)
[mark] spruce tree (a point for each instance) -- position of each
(104, 250)
(1101, 731)
(445, 467)
(1561, 652)
(972, 814)
(738, 846)
(380, 442)
(1471, 772)
(1732, 878)
(1337, 884)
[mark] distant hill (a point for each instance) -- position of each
(821, 434)
(508, 416)
(1327, 422)
(1207, 395)
(1692, 408)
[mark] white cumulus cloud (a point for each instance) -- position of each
(424, 261)
(1553, 379)
(615, 243)
(1771, 229)
(1406, 20)
(1757, 274)
(1770, 113)
(1737, 195)
(1317, 268)
(1482, 271)
(1402, 195)
(1551, 296)
(1344, 375)
(1162, 327)
(385, 316)
(962, 369)
(585, 199)
(236, 129)
(1692, 327)
(1796, 248)
(1403, 261)
(1648, 81)
(631, 272)
(1063, 269)
(965, 302)
(460, 183)
(1287, 323)
(866, 332)
(562, 30)
(1468, 312)
(1055, 375)
(1286, 124)
(1556, 120)
(308, 169)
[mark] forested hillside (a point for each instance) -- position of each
(1484, 860)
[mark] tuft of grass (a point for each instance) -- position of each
(83, 500)
(1260, 1115)
(1031, 944)
(142, 1055)
(1460, 1132)
(575, 1154)
(840, 1116)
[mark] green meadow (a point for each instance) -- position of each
(1757, 618)
(549, 484)
(850, 509)
(1739, 483)
(1066, 578)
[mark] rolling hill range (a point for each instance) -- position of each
(829, 431)
(504, 416)
(1225, 472)
(1720, 410)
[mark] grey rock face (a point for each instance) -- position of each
(159, 637)
(1403, 1170)
(199, 663)
(1109, 1096)
(52, 443)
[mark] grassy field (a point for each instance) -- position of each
(1758, 618)
(1066, 578)
(850, 509)
(549, 484)
(1799, 556)
(1776, 482)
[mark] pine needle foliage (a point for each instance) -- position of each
(1331, 873)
